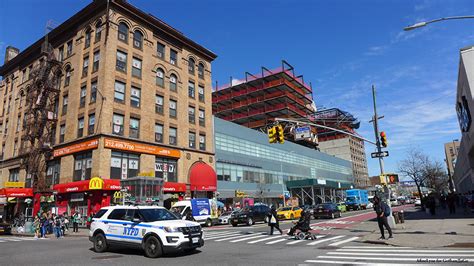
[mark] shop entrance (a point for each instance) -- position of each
(82, 210)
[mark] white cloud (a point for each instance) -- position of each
(376, 50)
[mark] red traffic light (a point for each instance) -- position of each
(382, 134)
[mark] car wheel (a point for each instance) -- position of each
(332, 215)
(249, 221)
(300, 236)
(208, 223)
(234, 224)
(153, 247)
(339, 215)
(100, 243)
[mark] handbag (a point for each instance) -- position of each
(273, 220)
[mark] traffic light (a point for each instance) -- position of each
(280, 134)
(383, 139)
(392, 178)
(272, 135)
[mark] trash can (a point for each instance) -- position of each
(401, 217)
(396, 217)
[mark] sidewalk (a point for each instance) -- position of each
(422, 230)
(82, 233)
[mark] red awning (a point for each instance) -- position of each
(174, 187)
(202, 177)
(85, 185)
(16, 192)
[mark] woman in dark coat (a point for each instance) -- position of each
(273, 220)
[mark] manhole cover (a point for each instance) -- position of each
(107, 257)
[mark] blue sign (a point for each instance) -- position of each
(200, 207)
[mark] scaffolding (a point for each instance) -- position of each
(337, 119)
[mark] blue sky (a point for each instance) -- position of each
(341, 47)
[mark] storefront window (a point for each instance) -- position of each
(166, 169)
(82, 166)
(124, 165)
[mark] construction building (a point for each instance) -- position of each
(111, 93)
(342, 145)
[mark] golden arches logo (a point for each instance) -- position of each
(118, 195)
(96, 183)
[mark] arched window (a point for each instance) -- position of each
(173, 82)
(160, 75)
(68, 76)
(201, 70)
(98, 30)
(191, 64)
(87, 38)
(21, 98)
(123, 32)
(137, 39)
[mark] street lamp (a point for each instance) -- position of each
(424, 23)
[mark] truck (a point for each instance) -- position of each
(357, 199)
(204, 211)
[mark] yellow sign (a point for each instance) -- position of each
(240, 194)
(118, 195)
(96, 183)
(14, 184)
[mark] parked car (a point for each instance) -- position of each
(402, 200)
(291, 213)
(417, 202)
(370, 205)
(250, 215)
(327, 210)
(309, 208)
(224, 218)
(5, 228)
(342, 206)
(394, 202)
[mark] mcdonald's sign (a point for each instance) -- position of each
(118, 195)
(96, 183)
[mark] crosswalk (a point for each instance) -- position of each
(265, 239)
(393, 255)
(6, 239)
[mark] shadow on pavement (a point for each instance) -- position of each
(120, 252)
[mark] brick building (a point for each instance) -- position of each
(135, 99)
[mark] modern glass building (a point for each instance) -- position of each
(248, 165)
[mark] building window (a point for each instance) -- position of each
(202, 121)
(134, 131)
(80, 127)
(82, 166)
(18, 123)
(201, 70)
(14, 175)
(95, 65)
(98, 31)
(65, 102)
(135, 97)
(160, 75)
(159, 133)
(173, 140)
(159, 104)
(201, 93)
(191, 64)
(93, 92)
(6, 127)
(136, 67)
(119, 95)
(61, 53)
(20, 104)
(87, 39)
(137, 39)
(62, 132)
(173, 82)
(191, 115)
(191, 89)
(173, 108)
(82, 100)
(173, 57)
(68, 76)
(123, 32)
(160, 50)
(192, 140)
(23, 76)
(124, 165)
(118, 125)
(15, 148)
(52, 172)
(166, 169)
(202, 142)
(91, 124)
(69, 48)
(121, 61)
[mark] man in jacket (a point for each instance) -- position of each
(302, 224)
(383, 211)
(273, 220)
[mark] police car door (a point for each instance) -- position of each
(131, 230)
(115, 224)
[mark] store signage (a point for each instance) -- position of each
(77, 197)
(14, 184)
(118, 195)
(140, 148)
(464, 114)
(96, 183)
(321, 182)
(82, 146)
(174, 187)
(303, 132)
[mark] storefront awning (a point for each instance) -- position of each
(174, 187)
(202, 177)
(95, 183)
(16, 192)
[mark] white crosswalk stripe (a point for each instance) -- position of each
(265, 239)
(222, 236)
(392, 255)
(234, 237)
(324, 240)
(247, 238)
(16, 239)
(343, 241)
(275, 241)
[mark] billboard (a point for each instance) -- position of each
(200, 207)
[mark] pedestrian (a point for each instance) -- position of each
(451, 203)
(432, 203)
(189, 215)
(37, 226)
(75, 222)
(57, 226)
(66, 222)
(89, 220)
(302, 224)
(383, 211)
(273, 220)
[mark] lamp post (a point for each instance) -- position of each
(424, 23)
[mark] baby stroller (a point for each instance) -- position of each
(303, 226)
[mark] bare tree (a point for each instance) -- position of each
(414, 167)
(436, 177)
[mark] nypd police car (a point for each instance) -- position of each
(151, 228)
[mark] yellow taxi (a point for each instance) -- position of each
(289, 213)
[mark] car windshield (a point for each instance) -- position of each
(351, 199)
(177, 209)
(152, 215)
(284, 209)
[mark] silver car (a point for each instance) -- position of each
(225, 217)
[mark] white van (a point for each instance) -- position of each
(204, 212)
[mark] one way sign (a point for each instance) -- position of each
(379, 154)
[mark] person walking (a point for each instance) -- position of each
(66, 222)
(383, 211)
(37, 227)
(451, 203)
(43, 224)
(75, 222)
(273, 220)
(57, 226)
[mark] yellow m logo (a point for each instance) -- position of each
(96, 183)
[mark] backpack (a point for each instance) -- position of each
(386, 210)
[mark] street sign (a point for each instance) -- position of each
(379, 154)
(302, 132)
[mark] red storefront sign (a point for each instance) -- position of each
(174, 187)
(95, 183)
(16, 192)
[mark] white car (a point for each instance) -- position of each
(225, 217)
(417, 202)
(151, 228)
(394, 202)
(370, 205)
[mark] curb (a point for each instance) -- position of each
(32, 235)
